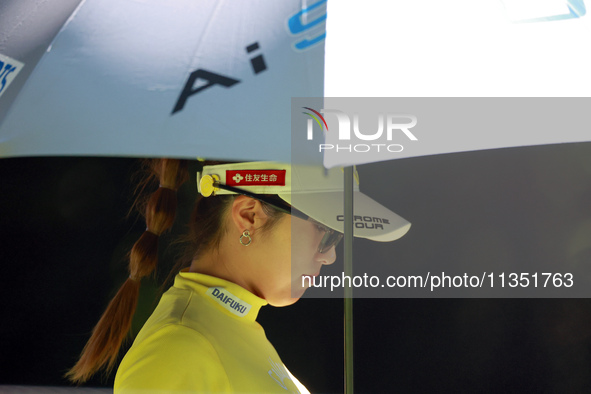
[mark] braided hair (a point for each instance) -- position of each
(107, 336)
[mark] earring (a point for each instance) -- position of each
(245, 234)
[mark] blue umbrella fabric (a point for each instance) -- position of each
(152, 78)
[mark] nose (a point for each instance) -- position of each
(328, 257)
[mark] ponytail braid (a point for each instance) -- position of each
(103, 346)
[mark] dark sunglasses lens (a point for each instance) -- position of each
(330, 239)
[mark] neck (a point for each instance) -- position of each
(219, 264)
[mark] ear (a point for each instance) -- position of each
(247, 214)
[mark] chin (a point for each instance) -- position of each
(284, 302)
(287, 299)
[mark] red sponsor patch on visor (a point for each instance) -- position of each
(255, 177)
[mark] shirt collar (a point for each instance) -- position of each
(229, 297)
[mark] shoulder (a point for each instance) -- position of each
(175, 358)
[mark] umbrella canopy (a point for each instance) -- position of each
(108, 78)
(150, 78)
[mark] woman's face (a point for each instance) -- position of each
(276, 260)
(290, 253)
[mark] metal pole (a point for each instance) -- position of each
(348, 312)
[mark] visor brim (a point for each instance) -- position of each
(371, 219)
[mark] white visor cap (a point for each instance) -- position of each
(313, 190)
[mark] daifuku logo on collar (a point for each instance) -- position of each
(229, 301)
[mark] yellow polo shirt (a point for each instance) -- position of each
(203, 338)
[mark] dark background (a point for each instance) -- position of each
(64, 237)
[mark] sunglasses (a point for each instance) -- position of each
(331, 237)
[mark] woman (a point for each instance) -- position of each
(203, 336)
